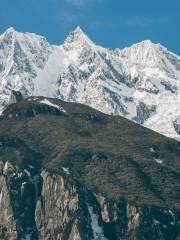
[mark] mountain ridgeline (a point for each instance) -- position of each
(141, 82)
(70, 172)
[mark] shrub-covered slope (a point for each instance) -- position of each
(69, 172)
(105, 153)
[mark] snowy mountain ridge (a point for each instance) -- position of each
(141, 82)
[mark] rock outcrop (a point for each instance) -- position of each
(15, 97)
(48, 206)
(177, 125)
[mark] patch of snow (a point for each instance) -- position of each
(55, 187)
(156, 222)
(172, 214)
(164, 226)
(20, 174)
(27, 172)
(66, 170)
(28, 237)
(152, 150)
(154, 155)
(31, 166)
(33, 99)
(158, 160)
(14, 174)
(98, 233)
(47, 102)
(24, 183)
(46, 81)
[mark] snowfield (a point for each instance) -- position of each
(47, 102)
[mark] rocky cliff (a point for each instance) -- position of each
(50, 206)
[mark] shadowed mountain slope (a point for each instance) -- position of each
(121, 154)
(110, 160)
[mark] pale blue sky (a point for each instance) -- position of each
(110, 23)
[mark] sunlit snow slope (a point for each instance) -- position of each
(141, 82)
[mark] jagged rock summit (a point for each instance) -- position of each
(141, 82)
(70, 172)
(15, 97)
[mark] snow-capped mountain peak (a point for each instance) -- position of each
(8, 36)
(141, 82)
(9, 30)
(78, 32)
(77, 38)
(144, 53)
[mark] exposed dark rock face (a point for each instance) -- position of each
(23, 188)
(143, 112)
(177, 125)
(63, 176)
(168, 86)
(15, 97)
